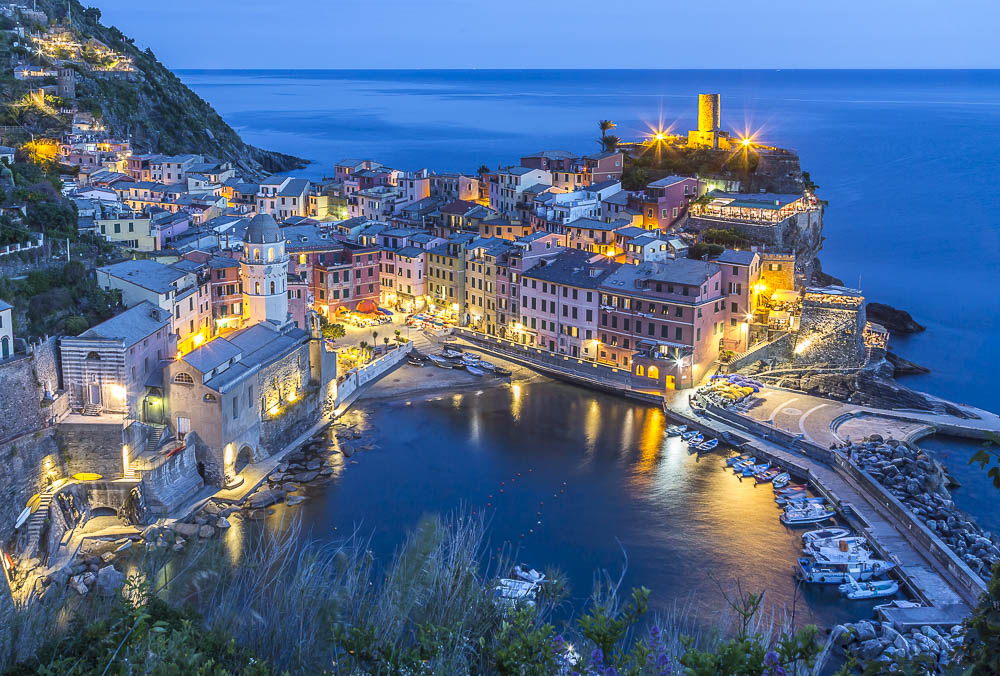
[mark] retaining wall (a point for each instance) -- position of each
(92, 447)
(28, 463)
(779, 349)
(354, 379)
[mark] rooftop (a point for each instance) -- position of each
(147, 274)
(680, 271)
(132, 325)
(733, 257)
(574, 268)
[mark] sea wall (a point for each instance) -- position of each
(30, 463)
(778, 350)
(92, 446)
(353, 380)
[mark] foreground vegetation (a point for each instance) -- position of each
(332, 609)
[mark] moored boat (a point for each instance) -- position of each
(816, 571)
(676, 430)
(689, 435)
(809, 514)
(873, 589)
(755, 469)
(500, 371)
(764, 477)
(742, 457)
(440, 361)
(825, 534)
(781, 480)
(475, 371)
(708, 445)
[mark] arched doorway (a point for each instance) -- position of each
(4, 347)
(243, 458)
(654, 373)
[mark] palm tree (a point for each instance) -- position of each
(610, 142)
(606, 126)
(386, 341)
(364, 347)
(374, 339)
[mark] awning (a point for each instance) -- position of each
(385, 312)
(784, 296)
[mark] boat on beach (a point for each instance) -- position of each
(500, 371)
(479, 373)
(440, 362)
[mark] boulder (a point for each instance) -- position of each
(206, 531)
(265, 498)
(869, 650)
(188, 530)
(107, 557)
(314, 464)
(258, 514)
(296, 499)
(841, 636)
(212, 509)
(222, 523)
(76, 582)
(304, 477)
(864, 631)
(109, 580)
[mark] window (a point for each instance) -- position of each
(678, 333)
(256, 288)
(236, 403)
(209, 397)
(183, 379)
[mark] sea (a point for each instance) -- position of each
(905, 160)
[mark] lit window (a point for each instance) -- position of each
(184, 379)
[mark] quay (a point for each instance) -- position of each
(929, 569)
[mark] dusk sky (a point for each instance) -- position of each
(581, 34)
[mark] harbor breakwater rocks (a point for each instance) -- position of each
(873, 641)
(920, 482)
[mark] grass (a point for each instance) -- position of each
(313, 608)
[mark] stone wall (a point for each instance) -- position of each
(29, 463)
(777, 279)
(778, 350)
(92, 447)
(831, 336)
(21, 398)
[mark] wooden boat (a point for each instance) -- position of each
(764, 477)
(676, 430)
(413, 361)
(486, 366)
(500, 371)
(708, 445)
(689, 435)
(479, 373)
(738, 467)
(781, 480)
(791, 489)
(22, 518)
(754, 470)
(810, 514)
(742, 457)
(440, 362)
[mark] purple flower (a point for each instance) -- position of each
(597, 659)
(772, 665)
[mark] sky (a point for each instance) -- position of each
(293, 34)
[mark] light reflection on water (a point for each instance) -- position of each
(576, 477)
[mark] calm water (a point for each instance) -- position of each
(584, 476)
(905, 159)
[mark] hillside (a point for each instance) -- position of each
(149, 103)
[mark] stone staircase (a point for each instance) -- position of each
(92, 409)
(36, 522)
(155, 437)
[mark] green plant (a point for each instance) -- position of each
(523, 646)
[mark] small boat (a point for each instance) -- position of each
(413, 361)
(791, 489)
(764, 477)
(530, 575)
(676, 430)
(730, 461)
(810, 514)
(873, 589)
(479, 373)
(797, 501)
(440, 361)
(825, 534)
(708, 445)
(846, 545)
(486, 366)
(781, 480)
(754, 470)
(839, 572)
(22, 518)
(470, 358)
(749, 462)
(500, 371)
(451, 354)
(689, 435)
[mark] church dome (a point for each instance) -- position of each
(263, 229)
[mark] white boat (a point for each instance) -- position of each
(781, 480)
(485, 365)
(479, 373)
(676, 430)
(22, 518)
(708, 445)
(811, 514)
(844, 544)
(825, 534)
(688, 435)
(816, 572)
(510, 592)
(796, 501)
(873, 589)
(470, 358)
(451, 354)
(755, 469)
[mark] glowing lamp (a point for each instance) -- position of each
(199, 339)
(745, 143)
(118, 391)
(228, 457)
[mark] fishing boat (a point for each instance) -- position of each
(479, 373)
(807, 514)
(738, 467)
(873, 589)
(755, 469)
(791, 489)
(676, 430)
(742, 457)
(440, 361)
(824, 572)
(787, 499)
(500, 371)
(449, 353)
(852, 543)
(781, 480)
(825, 534)
(764, 477)
(413, 361)
(486, 366)
(708, 445)
(689, 435)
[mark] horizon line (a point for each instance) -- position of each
(767, 70)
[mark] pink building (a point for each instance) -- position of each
(665, 201)
(560, 303)
(740, 273)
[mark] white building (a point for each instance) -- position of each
(264, 270)
(506, 191)
(6, 330)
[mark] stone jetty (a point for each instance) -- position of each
(878, 642)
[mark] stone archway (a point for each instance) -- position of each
(243, 458)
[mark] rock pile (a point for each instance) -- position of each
(93, 569)
(919, 482)
(873, 641)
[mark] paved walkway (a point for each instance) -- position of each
(826, 421)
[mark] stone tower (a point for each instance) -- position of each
(264, 273)
(709, 118)
(66, 83)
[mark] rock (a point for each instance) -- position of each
(222, 523)
(265, 498)
(89, 578)
(348, 451)
(180, 541)
(290, 487)
(107, 557)
(864, 631)
(283, 467)
(212, 509)
(897, 321)
(110, 580)
(60, 577)
(903, 367)
(188, 530)
(841, 635)
(258, 514)
(326, 471)
(150, 532)
(76, 582)
(296, 499)
(314, 464)
(206, 531)
(304, 477)
(178, 546)
(869, 650)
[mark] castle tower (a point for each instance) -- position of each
(264, 273)
(66, 87)
(709, 117)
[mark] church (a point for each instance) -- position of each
(248, 393)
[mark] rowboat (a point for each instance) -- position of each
(479, 373)
(439, 361)
(708, 445)
(500, 371)
(808, 514)
(689, 435)
(22, 518)
(738, 467)
(485, 365)
(755, 469)
(737, 458)
(781, 480)
(791, 489)
(676, 430)
(413, 361)
(764, 477)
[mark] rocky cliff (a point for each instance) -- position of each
(151, 105)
